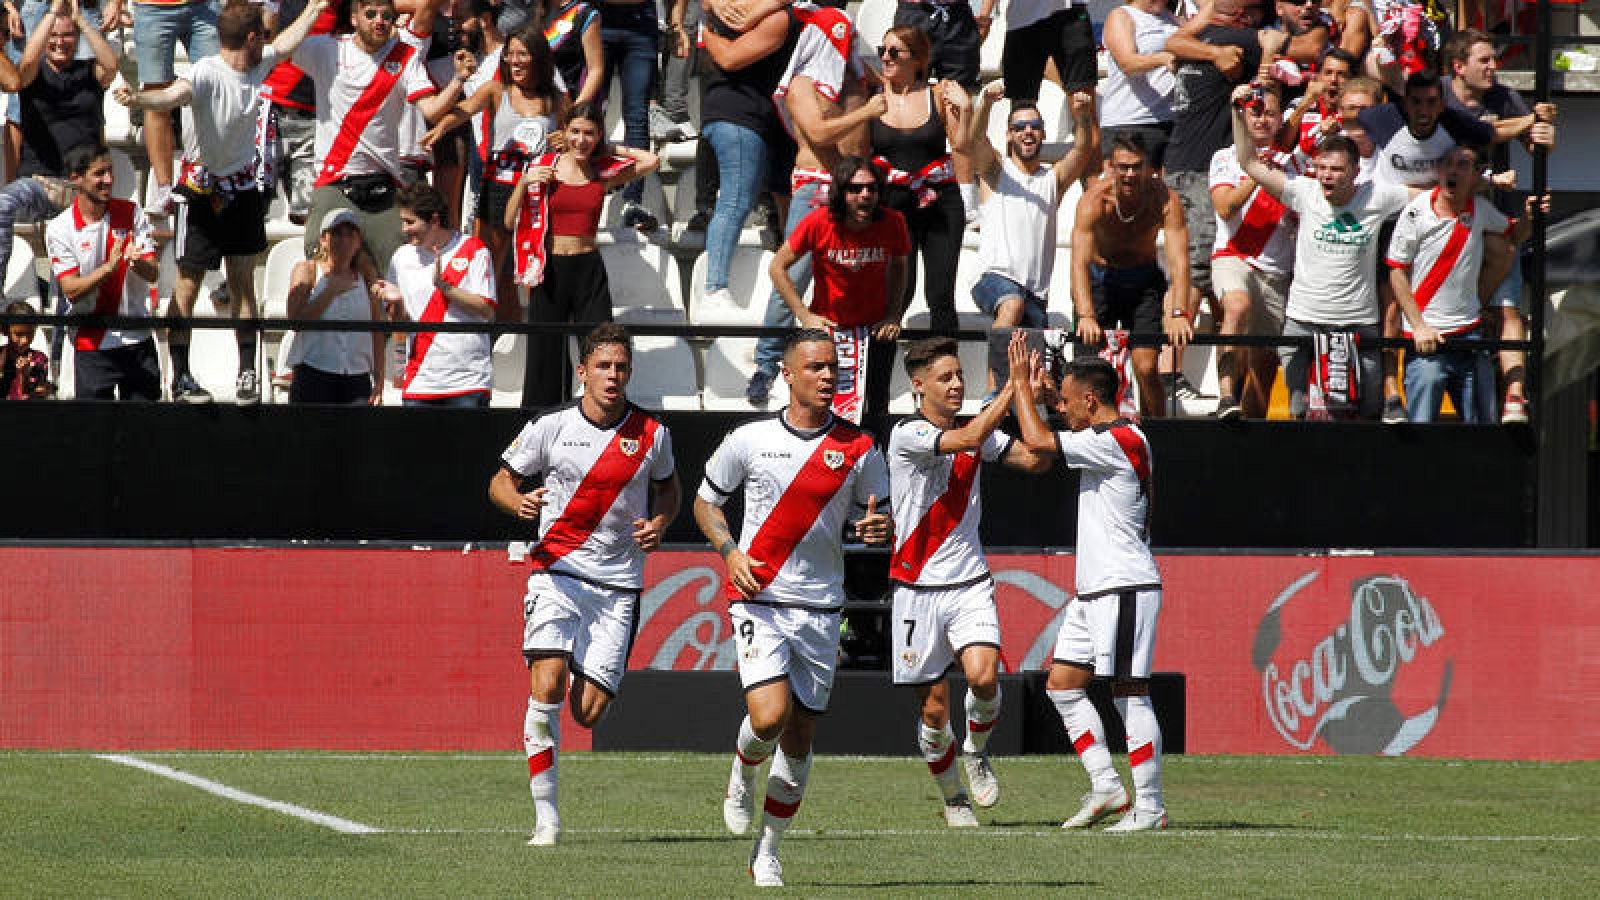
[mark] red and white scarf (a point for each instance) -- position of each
(195, 180)
(1119, 353)
(921, 182)
(1334, 386)
(850, 391)
(533, 218)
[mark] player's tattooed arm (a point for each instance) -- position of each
(714, 525)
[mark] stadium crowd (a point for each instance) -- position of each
(1338, 208)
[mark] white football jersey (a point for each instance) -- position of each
(1260, 232)
(77, 247)
(1114, 466)
(448, 364)
(359, 113)
(1445, 257)
(598, 483)
(937, 506)
(800, 490)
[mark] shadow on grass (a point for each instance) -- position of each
(1184, 825)
(955, 883)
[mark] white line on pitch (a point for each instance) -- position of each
(344, 826)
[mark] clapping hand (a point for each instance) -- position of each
(874, 527)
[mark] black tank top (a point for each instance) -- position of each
(910, 149)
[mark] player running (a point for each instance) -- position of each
(944, 608)
(609, 490)
(1109, 628)
(805, 474)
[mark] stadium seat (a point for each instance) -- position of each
(747, 283)
(664, 374)
(126, 183)
(643, 278)
(729, 362)
(509, 360)
(273, 300)
(21, 275)
(974, 365)
(873, 20)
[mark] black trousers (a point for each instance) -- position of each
(936, 236)
(575, 289)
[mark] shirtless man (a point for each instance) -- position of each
(1115, 280)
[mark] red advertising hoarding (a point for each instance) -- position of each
(135, 648)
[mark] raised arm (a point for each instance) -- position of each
(178, 93)
(1271, 180)
(1085, 152)
(290, 37)
(105, 56)
(985, 161)
(644, 162)
(1032, 432)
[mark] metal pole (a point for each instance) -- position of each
(1544, 59)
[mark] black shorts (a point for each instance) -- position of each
(205, 235)
(1066, 37)
(492, 202)
(953, 32)
(131, 372)
(1129, 298)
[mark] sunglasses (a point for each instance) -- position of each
(861, 187)
(1024, 125)
(1296, 2)
(892, 52)
(388, 15)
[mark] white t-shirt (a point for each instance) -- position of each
(1017, 239)
(800, 489)
(77, 247)
(1336, 251)
(1444, 256)
(1261, 232)
(358, 128)
(447, 364)
(597, 483)
(1114, 464)
(1146, 98)
(937, 506)
(226, 109)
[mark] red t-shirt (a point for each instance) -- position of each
(849, 269)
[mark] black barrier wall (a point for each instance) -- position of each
(101, 472)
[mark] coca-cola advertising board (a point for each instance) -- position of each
(163, 647)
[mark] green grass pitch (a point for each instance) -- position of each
(649, 825)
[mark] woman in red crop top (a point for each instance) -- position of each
(574, 288)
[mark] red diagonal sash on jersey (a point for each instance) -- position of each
(941, 519)
(598, 491)
(1448, 257)
(108, 297)
(1260, 220)
(362, 111)
(1134, 448)
(452, 273)
(813, 487)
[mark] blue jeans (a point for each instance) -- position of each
(23, 200)
(992, 288)
(157, 30)
(769, 350)
(631, 35)
(1464, 372)
(742, 166)
(460, 401)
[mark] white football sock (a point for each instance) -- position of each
(938, 748)
(1144, 749)
(751, 750)
(981, 716)
(541, 740)
(786, 785)
(1088, 735)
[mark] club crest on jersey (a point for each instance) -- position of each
(393, 68)
(628, 446)
(838, 31)
(459, 264)
(909, 658)
(833, 459)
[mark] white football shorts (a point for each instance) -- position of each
(799, 644)
(931, 628)
(592, 625)
(1115, 633)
